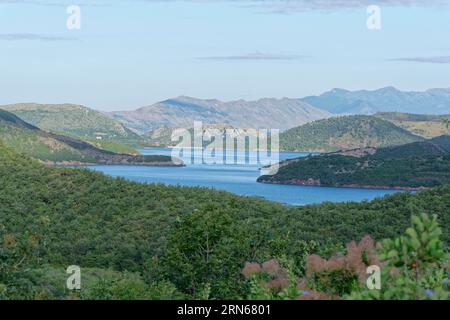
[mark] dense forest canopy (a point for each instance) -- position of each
(422, 164)
(168, 241)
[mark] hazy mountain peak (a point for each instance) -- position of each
(184, 98)
(337, 91)
(387, 99)
(387, 89)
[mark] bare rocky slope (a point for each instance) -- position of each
(181, 112)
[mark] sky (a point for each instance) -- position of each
(132, 53)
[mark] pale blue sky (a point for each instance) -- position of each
(133, 53)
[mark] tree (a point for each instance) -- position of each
(204, 253)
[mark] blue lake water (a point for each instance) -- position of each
(238, 179)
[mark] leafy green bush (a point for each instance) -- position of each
(415, 266)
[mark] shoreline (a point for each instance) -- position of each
(76, 164)
(351, 186)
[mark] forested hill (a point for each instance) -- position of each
(342, 133)
(136, 241)
(29, 140)
(79, 122)
(421, 164)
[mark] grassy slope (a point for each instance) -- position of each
(113, 146)
(33, 142)
(80, 122)
(341, 133)
(427, 126)
(415, 165)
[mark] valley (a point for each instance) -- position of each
(117, 229)
(240, 179)
(136, 218)
(224, 158)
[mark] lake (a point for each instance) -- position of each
(238, 179)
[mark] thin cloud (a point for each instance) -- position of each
(33, 37)
(438, 60)
(60, 3)
(32, 2)
(254, 57)
(291, 6)
(288, 6)
(273, 6)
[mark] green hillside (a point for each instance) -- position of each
(29, 140)
(344, 133)
(427, 126)
(420, 164)
(80, 122)
(137, 241)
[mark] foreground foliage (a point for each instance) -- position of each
(411, 267)
(136, 241)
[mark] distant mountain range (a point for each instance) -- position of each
(181, 112)
(51, 148)
(389, 99)
(283, 113)
(343, 133)
(124, 131)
